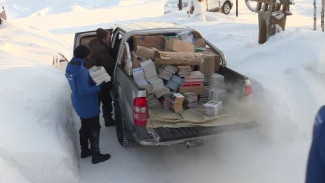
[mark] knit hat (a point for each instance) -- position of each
(81, 51)
(101, 33)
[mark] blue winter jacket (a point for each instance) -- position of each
(84, 92)
(316, 161)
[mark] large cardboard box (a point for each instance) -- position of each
(211, 55)
(195, 89)
(179, 46)
(178, 58)
(207, 66)
(157, 41)
(146, 52)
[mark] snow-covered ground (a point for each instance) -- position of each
(38, 130)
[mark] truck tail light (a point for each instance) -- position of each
(248, 87)
(140, 111)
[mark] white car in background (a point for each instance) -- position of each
(223, 6)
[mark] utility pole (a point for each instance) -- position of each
(322, 15)
(180, 5)
(236, 8)
(315, 15)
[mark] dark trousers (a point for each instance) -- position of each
(106, 100)
(89, 130)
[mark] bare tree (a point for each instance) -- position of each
(314, 14)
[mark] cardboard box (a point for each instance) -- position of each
(178, 58)
(157, 41)
(195, 89)
(146, 52)
(179, 46)
(136, 60)
(207, 66)
(200, 43)
(210, 55)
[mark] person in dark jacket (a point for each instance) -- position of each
(316, 160)
(84, 99)
(101, 56)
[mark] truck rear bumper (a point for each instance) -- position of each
(169, 136)
(152, 142)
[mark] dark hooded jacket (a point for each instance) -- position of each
(100, 56)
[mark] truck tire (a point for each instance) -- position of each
(226, 7)
(123, 135)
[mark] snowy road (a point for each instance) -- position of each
(240, 155)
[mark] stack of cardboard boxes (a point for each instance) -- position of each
(184, 68)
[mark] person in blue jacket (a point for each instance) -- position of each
(84, 99)
(316, 160)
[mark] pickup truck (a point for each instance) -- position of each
(133, 118)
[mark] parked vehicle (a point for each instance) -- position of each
(134, 120)
(223, 6)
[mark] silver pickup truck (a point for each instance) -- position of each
(132, 116)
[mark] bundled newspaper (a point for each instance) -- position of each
(176, 100)
(138, 76)
(163, 91)
(153, 103)
(99, 75)
(171, 69)
(217, 81)
(175, 82)
(149, 69)
(217, 94)
(165, 74)
(149, 88)
(156, 83)
(190, 101)
(184, 71)
(213, 108)
(204, 97)
(165, 101)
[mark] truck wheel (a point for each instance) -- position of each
(123, 135)
(226, 7)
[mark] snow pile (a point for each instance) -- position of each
(36, 134)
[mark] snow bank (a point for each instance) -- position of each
(36, 134)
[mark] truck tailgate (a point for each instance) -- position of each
(194, 124)
(170, 134)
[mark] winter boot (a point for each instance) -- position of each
(97, 157)
(84, 137)
(85, 153)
